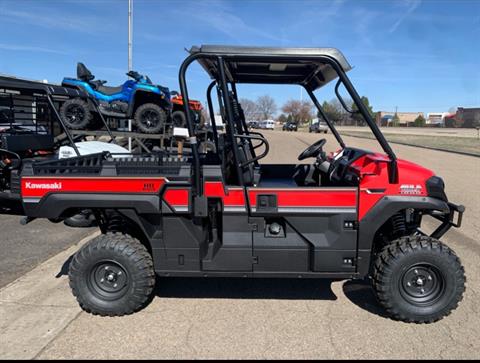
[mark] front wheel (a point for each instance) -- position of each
(112, 275)
(418, 279)
(76, 114)
(150, 118)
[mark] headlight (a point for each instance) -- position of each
(436, 188)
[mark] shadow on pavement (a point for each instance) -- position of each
(237, 288)
(64, 269)
(358, 292)
(361, 294)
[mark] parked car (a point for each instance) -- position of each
(318, 127)
(267, 125)
(290, 126)
(253, 124)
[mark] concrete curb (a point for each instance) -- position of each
(420, 146)
(36, 307)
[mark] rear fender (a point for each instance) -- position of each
(55, 205)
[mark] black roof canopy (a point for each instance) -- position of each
(310, 67)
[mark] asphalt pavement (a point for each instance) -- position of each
(241, 318)
(22, 248)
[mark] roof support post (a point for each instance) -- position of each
(393, 170)
(211, 111)
(230, 119)
(197, 189)
(324, 116)
(64, 127)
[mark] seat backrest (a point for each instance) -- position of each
(83, 73)
(248, 171)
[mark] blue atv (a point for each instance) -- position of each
(138, 99)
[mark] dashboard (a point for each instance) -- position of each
(340, 172)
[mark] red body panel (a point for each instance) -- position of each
(177, 197)
(373, 172)
(308, 197)
(38, 187)
(232, 197)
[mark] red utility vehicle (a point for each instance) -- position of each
(219, 212)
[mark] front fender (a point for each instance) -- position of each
(380, 213)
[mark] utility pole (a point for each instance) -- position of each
(130, 29)
(130, 65)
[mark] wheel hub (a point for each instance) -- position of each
(422, 284)
(109, 280)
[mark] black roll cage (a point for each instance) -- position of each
(223, 88)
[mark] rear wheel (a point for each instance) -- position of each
(76, 114)
(150, 118)
(179, 119)
(112, 275)
(418, 279)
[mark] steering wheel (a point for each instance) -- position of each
(313, 150)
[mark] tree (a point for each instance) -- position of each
(419, 121)
(357, 116)
(250, 109)
(395, 120)
(266, 106)
(282, 118)
(331, 111)
(300, 111)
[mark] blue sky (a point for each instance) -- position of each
(416, 55)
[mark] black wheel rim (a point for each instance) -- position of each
(150, 119)
(75, 114)
(177, 121)
(109, 280)
(422, 285)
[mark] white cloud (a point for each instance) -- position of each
(70, 21)
(218, 16)
(26, 48)
(411, 5)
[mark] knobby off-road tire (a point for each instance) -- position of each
(418, 279)
(76, 114)
(150, 118)
(179, 119)
(112, 275)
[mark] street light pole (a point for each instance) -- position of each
(130, 13)
(130, 65)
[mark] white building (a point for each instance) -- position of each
(436, 118)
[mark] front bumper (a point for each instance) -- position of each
(448, 219)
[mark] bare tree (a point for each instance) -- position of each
(301, 111)
(250, 109)
(266, 106)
